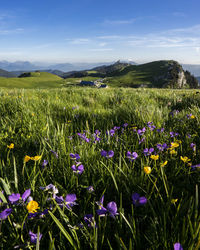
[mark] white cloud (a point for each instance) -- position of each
(119, 22)
(101, 49)
(79, 41)
(11, 31)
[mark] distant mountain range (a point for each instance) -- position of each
(64, 67)
(65, 70)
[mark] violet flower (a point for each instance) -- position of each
(45, 162)
(178, 246)
(108, 154)
(138, 200)
(50, 187)
(90, 189)
(197, 166)
(54, 153)
(77, 169)
(74, 156)
(193, 146)
(148, 152)
(33, 237)
(14, 198)
(70, 200)
(161, 147)
(141, 131)
(100, 202)
(132, 156)
(111, 210)
(142, 140)
(160, 130)
(89, 220)
(111, 132)
(5, 213)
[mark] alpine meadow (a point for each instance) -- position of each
(87, 168)
(100, 125)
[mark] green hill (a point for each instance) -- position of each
(33, 80)
(158, 74)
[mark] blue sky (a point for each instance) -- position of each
(100, 30)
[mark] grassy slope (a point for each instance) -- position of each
(136, 75)
(37, 80)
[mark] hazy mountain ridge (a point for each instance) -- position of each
(159, 74)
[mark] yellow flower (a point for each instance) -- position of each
(154, 157)
(36, 158)
(163, 164)
(27, 158)
(147, 170)
(174, 145)
(173, 152)
(32, 207)
(185, 159)
(173, 201)
(11, 146)
(192, 116)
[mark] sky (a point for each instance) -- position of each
(57, 31)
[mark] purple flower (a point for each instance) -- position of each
(174, 112)
(138, 200)
(197, 166)
(5, 213)
(60, 201)
(51, 187)
(33, 237)
(142, 140)
(13, 198)
(54, 153)
(161, 147)
(148, 152)
(141, 131)
(110, 209)
(90, 189)
(77, 169)
(111, 132)
(132, 156)
(193, 146)
(89, 220)
(178, 246)
(26, 194)
(84, 137)
(125, 125)
(74, 156)
(152, 127)
(173, 134)
(188, 116)
(160, 130)
(100, 202)
(45, 162)
(39, 214)
(108, 154)
(116, 128)
(70, 200)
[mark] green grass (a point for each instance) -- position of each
(137, 75)
(36, 80)
(38, 121)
